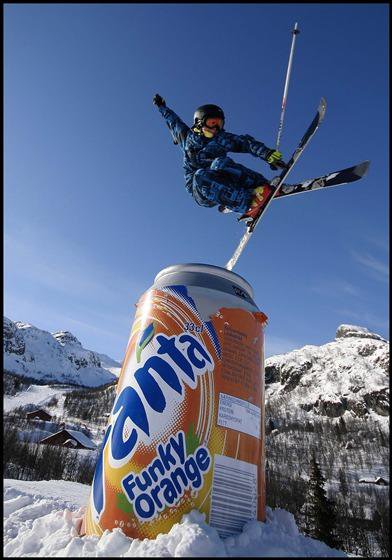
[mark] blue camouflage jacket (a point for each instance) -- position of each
(199, 151)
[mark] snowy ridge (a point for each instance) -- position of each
(348, 375)
(41, 519)
(53, 357)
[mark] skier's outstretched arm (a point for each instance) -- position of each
(177, 127)
(247, 144)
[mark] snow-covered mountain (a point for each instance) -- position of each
(54, 357)
(332, 402)
(350, 374)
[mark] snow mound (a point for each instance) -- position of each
(38, 524)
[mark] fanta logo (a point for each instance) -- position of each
(178, 361)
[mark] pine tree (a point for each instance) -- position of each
(342, 425)
(318, 510)
(383, 439)
(382, 528)
(343, 482)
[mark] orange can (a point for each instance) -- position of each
(187, 426)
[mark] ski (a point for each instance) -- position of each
(342, 177)
(278, 181)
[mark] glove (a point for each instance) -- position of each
(159, 101)
(274, 158)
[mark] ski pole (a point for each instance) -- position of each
(286, 85)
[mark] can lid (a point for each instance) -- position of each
(205, 269)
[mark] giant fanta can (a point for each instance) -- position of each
(187, 426)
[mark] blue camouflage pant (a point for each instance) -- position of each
(226, 183)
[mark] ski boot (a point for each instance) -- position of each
(260, 195)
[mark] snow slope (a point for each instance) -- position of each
(39, 395)
(57, 357)
(40, 519)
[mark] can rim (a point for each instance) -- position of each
(206, 269)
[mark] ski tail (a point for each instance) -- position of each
(341, 177)
(348, 175)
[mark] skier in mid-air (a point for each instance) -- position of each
(211, 177)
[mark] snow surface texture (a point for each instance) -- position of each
(57, 357)
(349, 375)
(41, 520)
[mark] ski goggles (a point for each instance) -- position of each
(213, 122)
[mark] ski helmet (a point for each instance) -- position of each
(205, 112)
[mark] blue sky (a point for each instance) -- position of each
(95, 204)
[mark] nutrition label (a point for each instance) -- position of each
(240, 357)
(240, 415)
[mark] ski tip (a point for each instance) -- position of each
(362, 168)
(322, 106)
